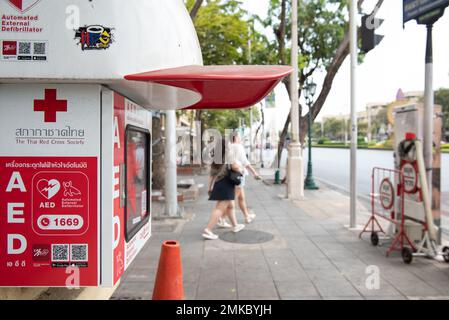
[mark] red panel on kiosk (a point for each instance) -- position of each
(58, 196)
(49, 185)
(221, 87)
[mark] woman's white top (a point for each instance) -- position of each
(237, 154)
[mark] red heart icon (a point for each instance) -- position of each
(48, 188)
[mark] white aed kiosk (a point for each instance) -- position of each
(78, 81)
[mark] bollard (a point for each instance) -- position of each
(277, 177)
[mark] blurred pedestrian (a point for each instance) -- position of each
(222, 190)
(237, 155)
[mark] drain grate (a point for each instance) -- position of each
(247, 237)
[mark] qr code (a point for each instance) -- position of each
(78, 252)
(59, 252)
(39, 48)
(24, 47)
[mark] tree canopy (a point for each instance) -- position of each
(227, 36)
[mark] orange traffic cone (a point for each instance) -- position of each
(168, 284)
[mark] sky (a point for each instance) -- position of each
(398, 62)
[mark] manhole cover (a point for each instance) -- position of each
(247, 237)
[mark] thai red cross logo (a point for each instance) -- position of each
(23, 5)
(50, 106)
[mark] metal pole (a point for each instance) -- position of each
(171, 196)
(309, 184)
(368, 110)
(251, 135)
(262, 137)
(295, 170)
(354, 133)
(429, 110)
(294, 77)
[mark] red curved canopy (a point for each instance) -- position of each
(221, 87)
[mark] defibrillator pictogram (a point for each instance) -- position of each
(23, 5)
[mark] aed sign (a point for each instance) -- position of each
(49, 185)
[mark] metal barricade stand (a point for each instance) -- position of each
(388, 191)
(384, 193)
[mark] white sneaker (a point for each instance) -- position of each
(238, 228)
(209, 235)
(222, 223)
(251, 217)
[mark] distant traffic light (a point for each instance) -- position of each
(369, 37)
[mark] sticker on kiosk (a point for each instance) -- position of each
(51, 220)
(60, 203)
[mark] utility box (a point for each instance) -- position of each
(75, 173)
(409, 118)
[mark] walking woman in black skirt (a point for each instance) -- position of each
(222, 190)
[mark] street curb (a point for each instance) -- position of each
(343, 190)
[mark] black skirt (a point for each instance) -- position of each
(223, 190)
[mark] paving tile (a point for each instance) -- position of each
(217, 275)
(312, 256)
(333, 285)
(296, 289)
(392, 298)
(216, 291)
(256, 289)
(190, 290)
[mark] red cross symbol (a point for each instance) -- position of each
(50, 106)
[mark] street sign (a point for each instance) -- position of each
(386, 194)
(410, 174)
(415, 9)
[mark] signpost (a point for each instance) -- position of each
(423, 10)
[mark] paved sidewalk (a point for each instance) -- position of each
(312, 255)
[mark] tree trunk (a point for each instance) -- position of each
(158, 155)
(195, 9)
(340, 56)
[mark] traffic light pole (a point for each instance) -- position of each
(429, 103)
(429, 109)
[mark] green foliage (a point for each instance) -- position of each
(442, 98)
(362, 129)
(228, 119)
(388, 144)
(323, 141)
(227, 36)
(380, 120)
(316, 130)
(334, 128)
(321, 28)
